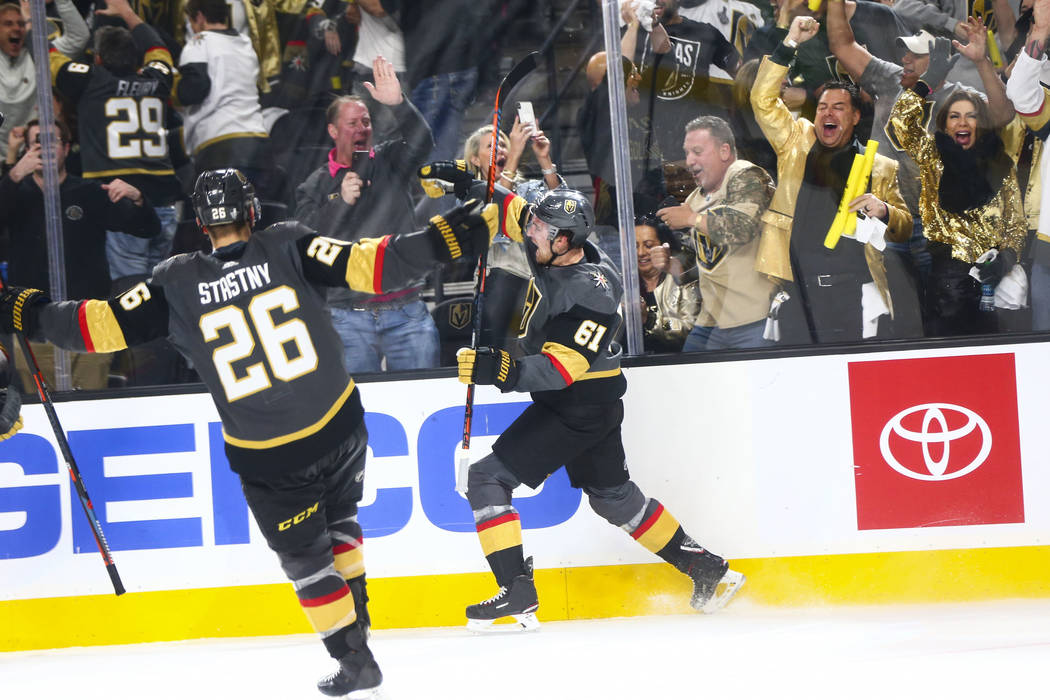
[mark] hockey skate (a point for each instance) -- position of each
(358, 676)
(712, 598)
(518, 600)
(714, 583)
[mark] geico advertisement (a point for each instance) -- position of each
(174, 515)
(763, 458)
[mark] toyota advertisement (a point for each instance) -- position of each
(936, 442)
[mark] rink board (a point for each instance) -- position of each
(883, 477)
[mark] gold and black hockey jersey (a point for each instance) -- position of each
(121, 118)
(570, 319)
(251, 318)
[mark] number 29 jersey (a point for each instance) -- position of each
(121, 118)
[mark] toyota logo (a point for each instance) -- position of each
(935, 430)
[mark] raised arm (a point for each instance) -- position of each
(629, 39)
(379, 265)
(1000, 108)
(928, 14)
(93, 325)
(75, 32)
(1005, 19)
(851, 55)
(772, 115)
(1024, 89)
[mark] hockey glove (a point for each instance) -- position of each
(10, 400)
(488, 366)
(463, 232)
(444, 176)
(941, 62)
(16, 309)
(10, 418)
(992, 271)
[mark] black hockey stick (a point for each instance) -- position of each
(71, 465)
(519, 71)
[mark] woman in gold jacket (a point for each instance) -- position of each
(970, 201)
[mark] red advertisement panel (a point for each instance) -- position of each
(936, 442)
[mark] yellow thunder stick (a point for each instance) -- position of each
(861, 184)
(993, 50)
(814, 5)
(839, 223)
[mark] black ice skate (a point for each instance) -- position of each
(714, 583)
(518, 600)
(358, 676)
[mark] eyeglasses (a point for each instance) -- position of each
(37, 139)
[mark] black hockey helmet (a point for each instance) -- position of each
(224, 197)
(566, 211)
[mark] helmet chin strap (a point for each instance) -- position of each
(554, 255)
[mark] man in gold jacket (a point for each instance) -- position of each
(843, 291)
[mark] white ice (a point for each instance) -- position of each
(949, 651)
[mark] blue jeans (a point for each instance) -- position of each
(1039, 287)
(406, 337)
(703, 338)
(442, 99)
(130, 255)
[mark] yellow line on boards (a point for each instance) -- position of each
(569, 593)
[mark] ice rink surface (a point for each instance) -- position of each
(950, 651)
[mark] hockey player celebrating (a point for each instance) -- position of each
(571, 366)
(251, 317)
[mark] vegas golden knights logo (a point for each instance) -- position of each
(570, 206)
(459, 315)
(708, 254)
(532, 299)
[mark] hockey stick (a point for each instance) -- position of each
(71, 465)
(519, 71)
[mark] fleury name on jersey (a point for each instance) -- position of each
(136, 88)
(234, 283)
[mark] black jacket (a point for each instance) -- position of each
(87, 214)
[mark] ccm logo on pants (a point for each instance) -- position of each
(298, 518)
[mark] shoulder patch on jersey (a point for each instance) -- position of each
(600, 280)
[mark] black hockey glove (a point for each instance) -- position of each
(994, 270)
(488, 366)
(10, 400)
(941, 63)
(16, 309)
(444, 176)
(463, 232)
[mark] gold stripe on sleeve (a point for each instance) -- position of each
(573, 362)
(102, 326)
(361, 267)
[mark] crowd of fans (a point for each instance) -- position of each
(746, 124)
